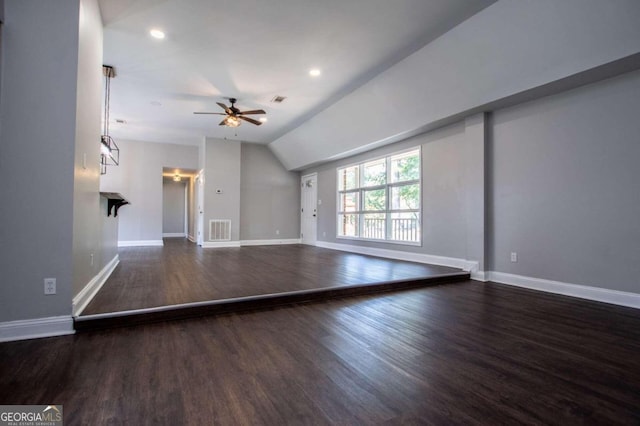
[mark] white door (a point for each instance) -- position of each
(200, 208)
(309, 209)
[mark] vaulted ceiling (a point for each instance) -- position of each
(254, 50)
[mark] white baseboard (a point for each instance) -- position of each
(82, 299)
(218, 244)
(191, 238)
(480, 276)
(453, 262)
(614, 297)
(141, 243)
(269, 242)
(36, 328)
(173, 234)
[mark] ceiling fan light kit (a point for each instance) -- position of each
(234, 115)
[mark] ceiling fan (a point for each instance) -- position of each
(234, 115)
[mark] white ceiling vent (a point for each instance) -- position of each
(278, 99)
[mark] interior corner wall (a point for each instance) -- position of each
(139, 179)
(269, 196)
(91, 251)
(222, 184)
(38, 112)
(564, 186)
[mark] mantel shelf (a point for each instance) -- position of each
(114, 201)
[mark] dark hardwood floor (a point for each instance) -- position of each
(462, 353)
(181, 272)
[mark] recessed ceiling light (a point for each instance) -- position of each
(315, 72)
(156, 33)
(262, 119)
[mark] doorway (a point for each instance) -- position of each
(174, 208)
(309, 209)
(178, 203)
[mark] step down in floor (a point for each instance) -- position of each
(250, 303)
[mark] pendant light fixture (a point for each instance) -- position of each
(109, 151)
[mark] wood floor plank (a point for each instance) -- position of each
(181, 272)
(462, 353)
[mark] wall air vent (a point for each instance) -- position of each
(121, 121)
(219, 230)
(278, 99)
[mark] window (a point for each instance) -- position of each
(380, 199)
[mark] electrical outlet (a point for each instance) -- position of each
(49, 286)
(514, 256)
(324, 234)
(91, 259)
(277, 232)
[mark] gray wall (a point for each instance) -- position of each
(269, 196)
(173, 206)
(443, 189)
(38, 111)
(139, 180)
(90, 254)
(565, 186)
(109, 232)
(561, 188)
(222, 172)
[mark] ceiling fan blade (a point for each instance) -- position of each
(214, 113)
(250, 120)
(223, 122)
(253, 111)
(225, 108)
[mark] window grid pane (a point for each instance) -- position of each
(374, 226)
(349, 201)
(405, 167)
(348, 225)
(348, 178)
(374, 173)
(405, 197)
(375, 200)
(405, 227)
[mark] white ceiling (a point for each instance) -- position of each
(253, 50)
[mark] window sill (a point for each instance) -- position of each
(370, 240)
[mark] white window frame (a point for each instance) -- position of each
(359, 190)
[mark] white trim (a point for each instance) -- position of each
(218, 244)
(173, 234)
(269, 242)
(36, 328)
(604, 295)
(141, 243)
(191, 238)
(480, 276)
(82, 299)
(454, 262)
